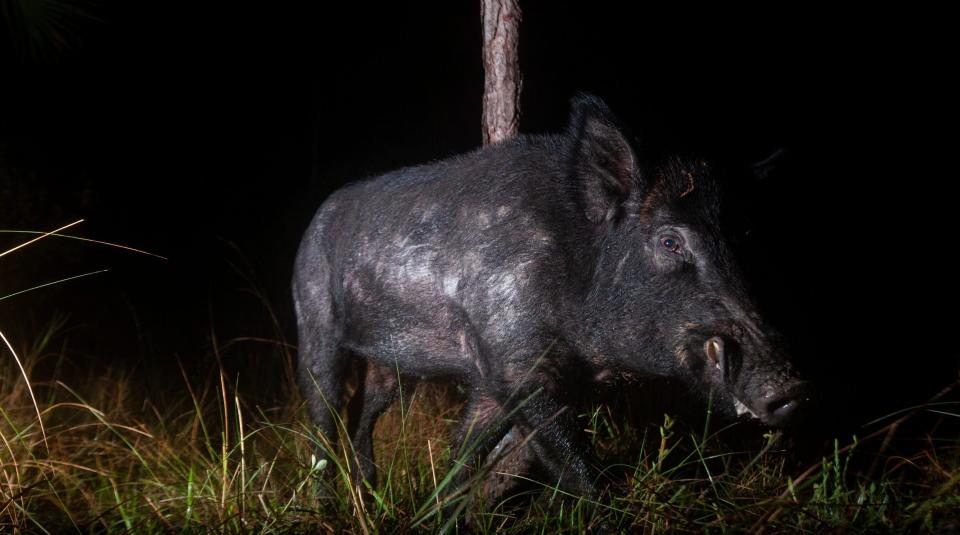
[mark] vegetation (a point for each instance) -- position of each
(110, 456)
(102, 448)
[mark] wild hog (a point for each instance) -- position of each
(524, 270)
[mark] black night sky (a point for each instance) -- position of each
(210, 133)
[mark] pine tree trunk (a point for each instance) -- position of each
(501, 66)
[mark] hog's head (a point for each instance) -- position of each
(666, 297)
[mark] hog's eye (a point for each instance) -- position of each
(671, 243)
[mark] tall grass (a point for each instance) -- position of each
(202, 456)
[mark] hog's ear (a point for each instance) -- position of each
(604, 164)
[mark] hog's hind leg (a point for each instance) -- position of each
(322, 364)
(377, 389)
(321, 382)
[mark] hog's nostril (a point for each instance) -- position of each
(713, 348)
(784, 408)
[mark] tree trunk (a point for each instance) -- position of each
(501, 66)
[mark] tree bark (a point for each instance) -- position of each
(501, 66)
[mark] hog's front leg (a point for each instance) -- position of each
(560, 443)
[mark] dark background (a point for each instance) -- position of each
(209, 135)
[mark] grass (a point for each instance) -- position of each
(99, 447)
(204, 457)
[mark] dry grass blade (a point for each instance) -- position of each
(56, 234)
(38, 238)
(51, 283)
(33, 398)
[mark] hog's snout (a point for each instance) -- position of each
(764, 389)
